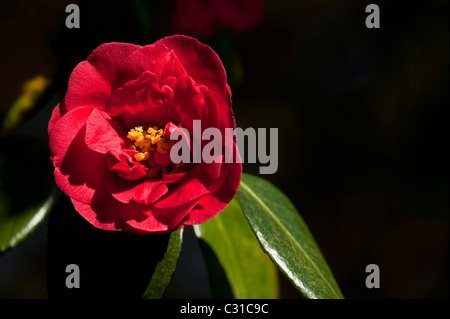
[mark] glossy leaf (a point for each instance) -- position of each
(237, 266)
(27, 190)
(165, 268)
(285, 237)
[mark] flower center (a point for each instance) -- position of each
(151, 149)
(148, 141)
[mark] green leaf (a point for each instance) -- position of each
(27, 190)
(234, 257)
(285, 237)
(165, 268)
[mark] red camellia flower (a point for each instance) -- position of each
(110, 136)
(203, 18)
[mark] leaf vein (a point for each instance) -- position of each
(264, 206)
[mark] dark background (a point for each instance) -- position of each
(362, 117)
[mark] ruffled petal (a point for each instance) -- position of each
(201, 63)
(100, 134)
(145, 191)
(154, 58)
(143, 102)
(132, 173)
(166, 214)
(105, 217)
(185, 192)
(222, 180)
(141, 219)
(88, 87)
(189, 102)
(93, 81)
(205, 209)
(174, 177)
(157, 219)
(108, 57)
(79, 171)
(211, 205)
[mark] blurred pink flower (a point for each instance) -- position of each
(204, 18)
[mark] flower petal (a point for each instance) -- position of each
(105, 217)
(152, 219)
(101, 136)
(79, 171)
(189, 101)
(209, 206)
(133, 173)
(93, 81)
(173, 177)
(201, 63)
(153, 58)
(168, 213)
(222, 180)
(142, 191)
(140, 218)
(162, 159)
(142, 102)
(183, 193)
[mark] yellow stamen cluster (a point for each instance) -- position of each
(148, 141)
